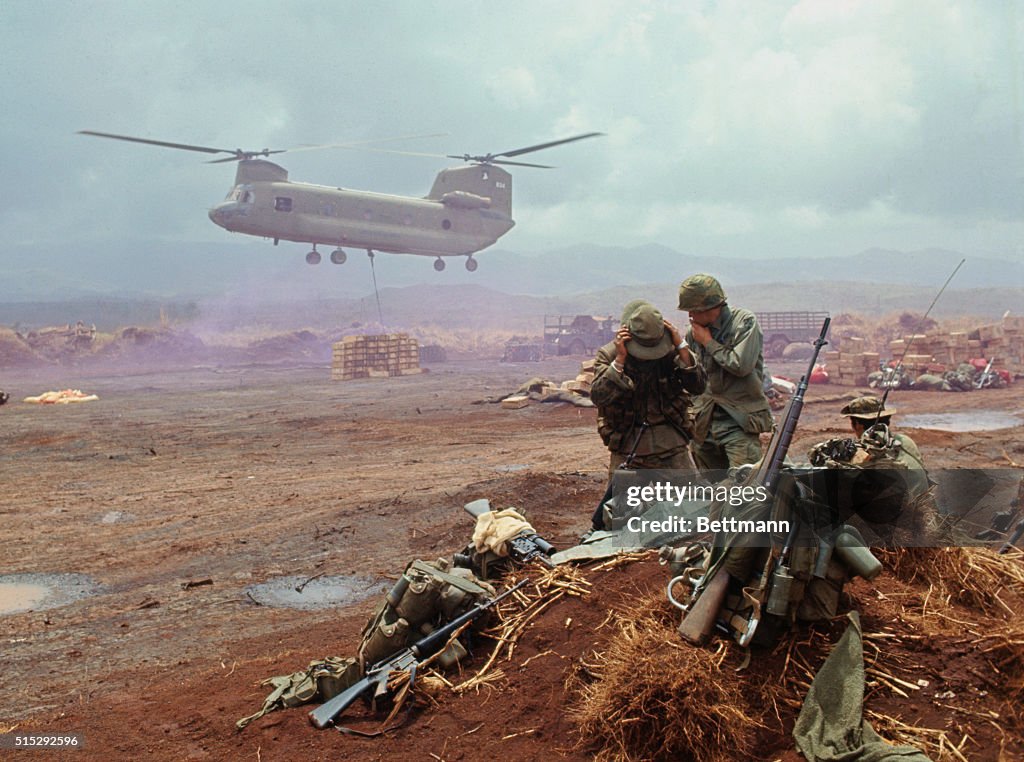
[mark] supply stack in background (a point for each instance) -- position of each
(937, 352)
(852, 364)
(380, 356)
(581, 384)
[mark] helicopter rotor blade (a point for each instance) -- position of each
(551, 144)
(521, 164)
(165, 144)
(363, 144)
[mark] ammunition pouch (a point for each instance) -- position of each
(321, 681)
(427, 595)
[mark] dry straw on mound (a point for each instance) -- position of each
(1005, 649)
(973, 577)
(650, 697)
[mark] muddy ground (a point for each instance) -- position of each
(243, 475)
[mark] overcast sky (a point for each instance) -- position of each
(733, 128)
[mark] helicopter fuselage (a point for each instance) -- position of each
(467, 210)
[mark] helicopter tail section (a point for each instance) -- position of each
(474, 186)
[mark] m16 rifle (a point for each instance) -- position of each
(986, 377)
(710, 591)
(375, 683)
(525, 547)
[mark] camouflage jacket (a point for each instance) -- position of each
(734, 366)
(656, 391)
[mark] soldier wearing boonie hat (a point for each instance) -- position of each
(870, 421)
(727, 342)
(646, 376)
(867, 408)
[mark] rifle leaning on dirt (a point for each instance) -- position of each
(710, 592)
(375, 683)
(985, 377)
(524, 547)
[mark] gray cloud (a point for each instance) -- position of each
(737, 128)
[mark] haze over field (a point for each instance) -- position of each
(735, 131)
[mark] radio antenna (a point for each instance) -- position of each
(906, 349)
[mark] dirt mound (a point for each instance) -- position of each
(296, 346)
(605, 676)
(163, 345)
(16, 352)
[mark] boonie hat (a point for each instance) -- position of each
(866, 408)
(647, 327)
(700, 292)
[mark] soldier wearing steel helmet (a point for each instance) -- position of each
(733, 410)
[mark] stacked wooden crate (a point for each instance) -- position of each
(380, 356)
(851, 365)
(581, 384)
(936, 351)
(1005, 342)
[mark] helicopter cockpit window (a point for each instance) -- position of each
(282, 203)
(247, 197)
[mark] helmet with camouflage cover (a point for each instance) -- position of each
(700, 292)
(866, 408)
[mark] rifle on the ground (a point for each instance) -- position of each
(710, 592)
(985, 377)
(375, 682)
(524, 547)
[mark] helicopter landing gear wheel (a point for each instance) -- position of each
(338, 256)
(313, 257)
(439, 264)
(471, 264)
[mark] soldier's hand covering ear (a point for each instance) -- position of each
(621, 337)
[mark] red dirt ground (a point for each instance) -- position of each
(245, 474)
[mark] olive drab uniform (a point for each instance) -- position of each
(733, 410)
(643, 406)
(911, 508)
(657, 392)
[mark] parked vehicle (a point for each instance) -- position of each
(781, 329)
(577, 334)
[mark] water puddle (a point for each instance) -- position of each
(976, 420)
(321, 593)
(512, 467)
(35, 592)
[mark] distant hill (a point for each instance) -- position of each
(262, 272)
(225, 286)
(475, 307)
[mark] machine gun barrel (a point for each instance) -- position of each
(524, 547)
(408, 659)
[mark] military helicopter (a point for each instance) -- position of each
(467, 209)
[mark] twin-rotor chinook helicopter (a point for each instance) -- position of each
(468, 208)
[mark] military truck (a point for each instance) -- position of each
(781, 329)
(577, 334)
